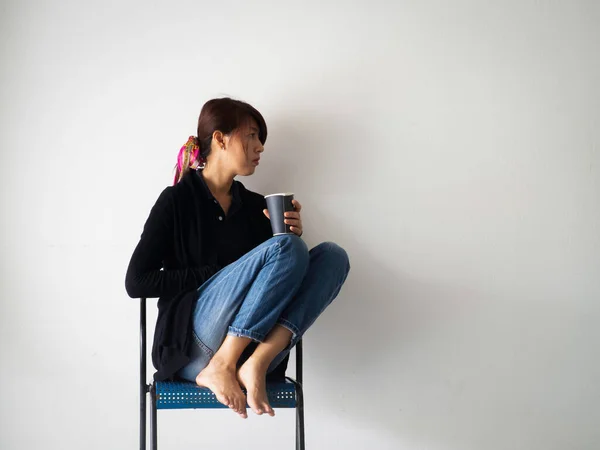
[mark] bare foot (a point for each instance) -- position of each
(252, 376)
(221, 379)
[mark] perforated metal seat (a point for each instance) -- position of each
(181, 395)
(186, 395)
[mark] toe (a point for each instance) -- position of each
(257, 408)
(223, 399)
(269, 410)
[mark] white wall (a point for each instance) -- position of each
(451, 147)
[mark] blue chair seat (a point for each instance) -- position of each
(185, 394)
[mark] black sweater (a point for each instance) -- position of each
(186, 239)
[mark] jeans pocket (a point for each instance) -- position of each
(202, 346)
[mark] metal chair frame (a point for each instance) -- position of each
(151, 389)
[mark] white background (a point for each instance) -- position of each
(452, 148)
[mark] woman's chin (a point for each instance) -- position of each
(246, 172)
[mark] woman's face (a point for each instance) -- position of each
(245, 148)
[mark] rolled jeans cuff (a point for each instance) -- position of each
(241, 332)
(290, 326)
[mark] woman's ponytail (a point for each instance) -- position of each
(189, 157)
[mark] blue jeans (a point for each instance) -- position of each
(278, 282)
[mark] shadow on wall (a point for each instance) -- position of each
(299, 152)
(381, 314)
(328, 136)
(366, 340)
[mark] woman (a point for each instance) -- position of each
(233, 298)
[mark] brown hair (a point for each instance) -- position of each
(223, 114)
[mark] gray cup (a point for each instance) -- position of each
(278, 204)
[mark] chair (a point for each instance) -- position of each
(179, 395)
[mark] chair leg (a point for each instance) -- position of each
(143, 413)
(299, 418)
(153, 430)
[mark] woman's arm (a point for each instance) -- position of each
(145, 276)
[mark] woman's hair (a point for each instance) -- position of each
(223, 114)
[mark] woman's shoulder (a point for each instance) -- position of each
(180, 193)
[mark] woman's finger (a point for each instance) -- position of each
(294, 222)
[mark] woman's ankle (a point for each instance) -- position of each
(230, 351)
(223, 362)
(258, 362)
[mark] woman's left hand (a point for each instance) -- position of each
(292, 218)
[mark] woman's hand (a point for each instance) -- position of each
(291, 218)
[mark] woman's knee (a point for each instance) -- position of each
(336, 254)
(295, 246)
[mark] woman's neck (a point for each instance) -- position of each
(219, 183)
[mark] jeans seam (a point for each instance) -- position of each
(222, 280)
(255, 304)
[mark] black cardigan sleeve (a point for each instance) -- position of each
(145, 275)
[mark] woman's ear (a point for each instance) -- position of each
(219, 138)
